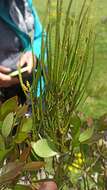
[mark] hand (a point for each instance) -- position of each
(28, 59)
(5, 79)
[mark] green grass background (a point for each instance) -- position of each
(96, 102)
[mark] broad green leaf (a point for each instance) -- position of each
(9, 106)
(31, 166)
(86, 135)
(26, 125)
(3, 153)
(7, 125)
(20, 137)
(75, 121)
(43, 148)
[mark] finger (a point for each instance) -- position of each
(6, 81)
(26, 60)
(21, 62)
(4, 69)
(30, 64)
(4, 77)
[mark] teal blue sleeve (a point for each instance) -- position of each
(37, 34)
(37, 41)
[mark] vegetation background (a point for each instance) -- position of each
(96, 101)
(72, 148)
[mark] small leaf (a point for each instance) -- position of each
(20, 137)
(27, 125)
(8, 106)
(86, 135)
(33, 166)
(7, 125)
(43, 148)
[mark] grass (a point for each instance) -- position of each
(96, 101)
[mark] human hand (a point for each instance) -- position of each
(5, 79)
(28, 60)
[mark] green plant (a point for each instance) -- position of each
(69, 47)
(73, 149)
(62, 133)
(15, 150)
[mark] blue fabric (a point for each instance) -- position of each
(37, 42)
(37, 31)
(25, 39)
